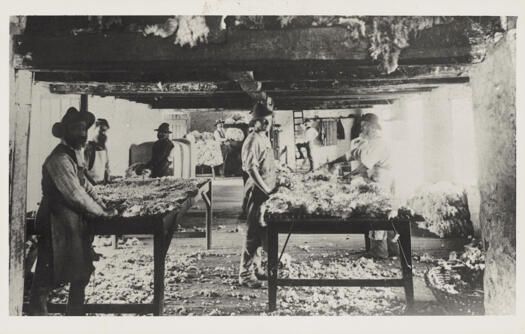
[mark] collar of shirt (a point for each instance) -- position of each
(79, 154)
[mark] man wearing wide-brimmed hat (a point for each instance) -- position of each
(160, 163)
(65, 253)
(371, 159)
(96, 154)
(259, 163)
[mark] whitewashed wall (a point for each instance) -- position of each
(131, 123)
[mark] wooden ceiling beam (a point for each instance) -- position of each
(144, 88)
(328, 104)
(272, 86)
(127, 50)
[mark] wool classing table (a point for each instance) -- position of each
(304, 225)
(162, 227)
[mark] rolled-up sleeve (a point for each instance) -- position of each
(373, 154)
(250, 155)
(62, 171)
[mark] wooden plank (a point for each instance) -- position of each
(144, 88)
(377, 83)
(101, 308)
(356, 93)
(340, 282)
(342, 71)
(189, 234)
(241, 103)
(327, 104)
(276, 70)
(96, 51)
(18, 190)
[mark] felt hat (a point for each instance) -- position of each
(72, 116)
(260, 110)
(102, 122)
(164, 127)
(372, 119)
(219, 121)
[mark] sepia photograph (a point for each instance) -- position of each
(262, 165)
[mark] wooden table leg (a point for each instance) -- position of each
(367, 241)
(273, 250)
(406, 262)
(209, 216)
(159, 254)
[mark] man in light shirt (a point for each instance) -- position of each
(96, 154)
(371, 159)
(311, 136)
(258, 162)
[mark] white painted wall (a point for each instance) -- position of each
(130, 123)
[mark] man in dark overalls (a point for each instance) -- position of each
(259, 163)
(65, 253)
(161, 162)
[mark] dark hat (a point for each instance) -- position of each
(260, 110)
(102, 122)
(219, 121)
(72, 116)
(371, 118)
(164, 127)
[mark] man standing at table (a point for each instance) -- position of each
(96, 154)
(259, 163)
(65, 253)
(160, 163)
(220, 137)
(372, 161)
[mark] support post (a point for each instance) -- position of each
(273, 264)
(405, 257)
(158, 271)
(18, 189)
(83, 102)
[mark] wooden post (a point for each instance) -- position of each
(273, 264)
(83, 102)
(18, 189)
(159, 252)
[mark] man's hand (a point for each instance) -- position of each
(110, 213)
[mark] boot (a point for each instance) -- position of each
(38, 301)
(75, 302)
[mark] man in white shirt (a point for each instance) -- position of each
(371, 158)
(311, 136)
(96, 154)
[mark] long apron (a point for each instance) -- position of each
(64, 243)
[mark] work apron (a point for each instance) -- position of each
(65, 252)
(98, 171)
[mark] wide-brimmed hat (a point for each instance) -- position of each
(372, 119)
(164, 127)
(219, 121)
(102, 122)
(72, 116)
(260, 110)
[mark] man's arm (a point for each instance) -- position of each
(107, 171)
(62, 172)
(259, 182)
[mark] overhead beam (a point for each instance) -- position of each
(347, 93)
(328, 104)
(360, 83)
(278, 70)
(339, 70)
(239, 103)
(145, 88)
(127, 50)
